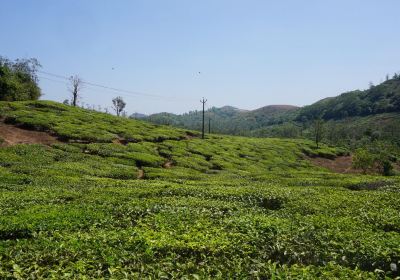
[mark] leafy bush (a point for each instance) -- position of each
(377, 155)
(18, 80)
(363, 159)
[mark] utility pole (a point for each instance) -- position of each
(202, 130)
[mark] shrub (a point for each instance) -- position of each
(367, 185)
(363, 159)
(18, 80)
(387, 168)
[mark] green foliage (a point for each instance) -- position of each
(363, 159)
(226, 207)
(383, 98)
(318, 128)
(376, 154)
(347, 118)
(18, 80)
(71, 123)
(229, 120)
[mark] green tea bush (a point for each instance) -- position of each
(226, 208)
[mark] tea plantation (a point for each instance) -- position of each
(121, 199)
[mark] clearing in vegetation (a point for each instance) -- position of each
(12, 135)
(220, 208)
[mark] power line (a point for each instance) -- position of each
(101, 86)
(56, 81)
(54, 75)
(90, 89)
(106, 91)
(110, 88)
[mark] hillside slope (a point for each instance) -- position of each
(343, 112)
(71, 123)
(123, 199)
(228, 119)
(383, 98)
(151, 146)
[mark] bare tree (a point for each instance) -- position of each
(75, 87)
(119, 105)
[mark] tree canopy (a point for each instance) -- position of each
(383, 98)
(18, 79)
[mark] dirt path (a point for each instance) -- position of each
(140, 174)
(168, 164)
(12, 135)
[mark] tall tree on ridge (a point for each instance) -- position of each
(76, 85)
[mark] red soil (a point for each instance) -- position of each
(140, 174)
(168, 164)
(338, 165)
(12, 135)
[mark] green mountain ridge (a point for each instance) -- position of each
(227, 119)
(382, 98)
(291, 121)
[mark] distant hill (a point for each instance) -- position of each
(348, 117)
(137, 116)
(383, 98)
(228, 119)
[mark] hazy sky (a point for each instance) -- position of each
(250, 53)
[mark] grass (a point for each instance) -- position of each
(228, 207)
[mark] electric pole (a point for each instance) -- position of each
(202, 130)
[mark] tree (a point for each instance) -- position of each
(318, 130)
(377, 155)
(18, 79)
(118, 105)
(76, 85)
(66, 102)
(370, 85)
(384, 155)
(363, 159)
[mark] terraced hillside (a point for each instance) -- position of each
(121, 199)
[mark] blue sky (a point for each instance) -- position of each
(250, 53)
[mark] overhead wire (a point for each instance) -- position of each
(56, 81)
(91, 89)
(136, 93)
